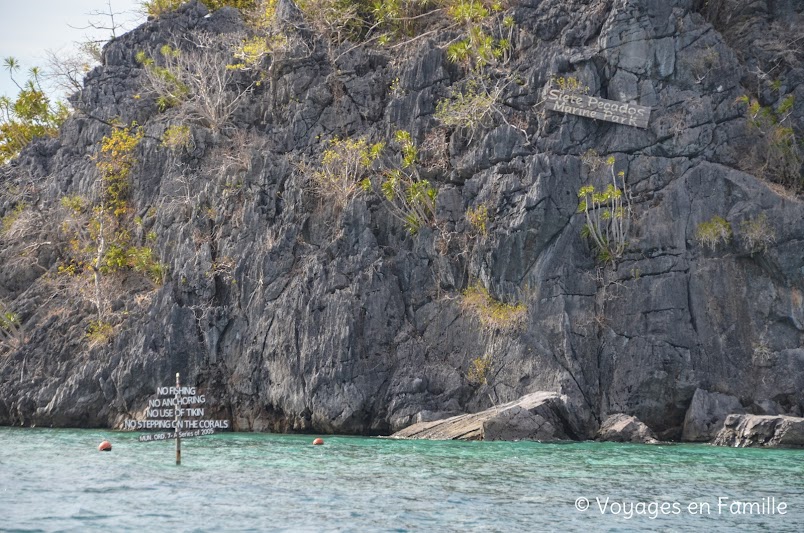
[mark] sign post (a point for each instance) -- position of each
(180, 409)
(178, 420)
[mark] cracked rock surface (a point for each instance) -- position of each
(291, 314)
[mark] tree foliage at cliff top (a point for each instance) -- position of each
(155, 8)
(30, 115)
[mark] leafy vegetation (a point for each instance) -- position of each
(483, 52)
(471, 108)
(492, 313)
(409, 198)
(608, 215)
(198, 83)
(30, 115)
(99, 232)
(757, 234)
(479, 218)
(251, 53)
(337, 20)
(177, 138)
(480, 370)
(778, 155)
(114, 162)
(11, 332)
(155, 8)
(99, 332)
(8, 221)
(349, 166)
(343, 167)
(479, 48)
(713, 232)
(569, 85)
(482, 373)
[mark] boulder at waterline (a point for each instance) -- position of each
(625, 428)
(744, 431)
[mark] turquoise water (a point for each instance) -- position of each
(56, 480)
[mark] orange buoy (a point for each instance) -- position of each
(318, 441)
(105, 446)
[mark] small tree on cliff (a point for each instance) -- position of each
(99, 232)
(482, 373)
(30, 115)
(11, 331)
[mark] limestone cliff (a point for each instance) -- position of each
(291, 313)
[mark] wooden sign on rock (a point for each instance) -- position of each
(598, 108)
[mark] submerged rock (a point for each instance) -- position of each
(743, 431)
(542, 416)
(625, 428)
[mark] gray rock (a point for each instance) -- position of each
(743, 431)
(290, 314)
(625, 428)
(767, 408)
(706, 414)
(541, 416)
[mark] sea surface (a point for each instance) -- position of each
(57, 480)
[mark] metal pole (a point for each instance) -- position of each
(176, 407)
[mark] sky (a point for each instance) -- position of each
(28, 28)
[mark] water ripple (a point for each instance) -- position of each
(56, 480)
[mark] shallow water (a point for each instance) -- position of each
(56, 480)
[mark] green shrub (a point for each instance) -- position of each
(165, 80)
(778, 155)
(8, 221)
(480, 369)
(492, 313)
(608, 216)
(486, 37)
(114, 259)
(177, 138)
(342, 168)
(75, 203)
(478, 49)
(471, 108)
(212, 5)
(569, 85)
(337, 21)
(99, 332)
(483, 44)
(197, 83)
(155, 8)
(12, 334)
(114, 161)
(400, 18)
(478, 218)
(99, 231)
(713, 232)
(27, 117)
(757, 233)
(409, 198)
(142, 259)
(412, 200)
(252, 52)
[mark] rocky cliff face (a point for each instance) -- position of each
(293, 314)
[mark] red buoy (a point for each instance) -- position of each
(105, 446)
(318, 441)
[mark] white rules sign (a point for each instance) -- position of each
(173, 408)
(597, 108)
